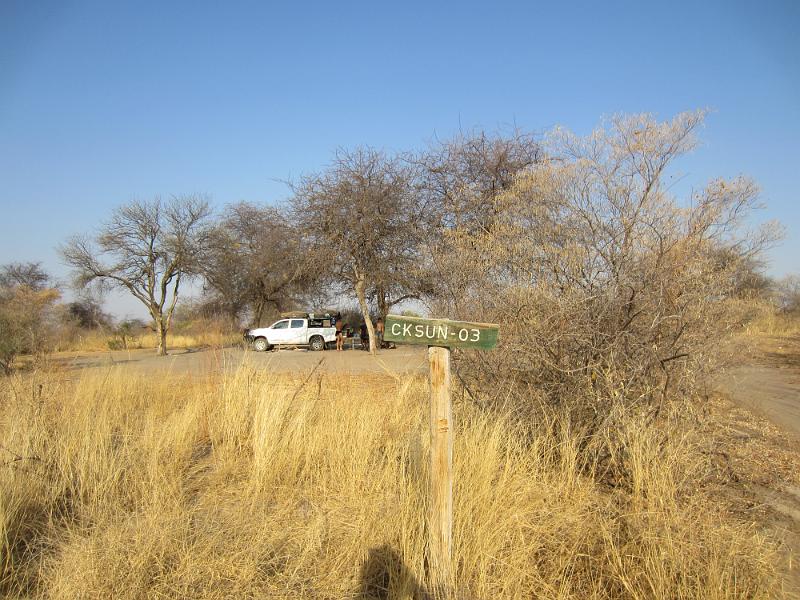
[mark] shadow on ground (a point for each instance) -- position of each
(385, 576)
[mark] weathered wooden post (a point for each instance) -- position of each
(440, 335)
(440, 510)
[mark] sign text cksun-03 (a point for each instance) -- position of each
(440, 332)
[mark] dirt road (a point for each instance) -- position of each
(404, 359)
(770, 391)
(770, 383)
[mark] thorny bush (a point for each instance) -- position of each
(611, 292)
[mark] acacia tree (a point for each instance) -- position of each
(414, 282)
(28, 274)
(254, 259)
(148, 249)
(86, 312)
(363, 213)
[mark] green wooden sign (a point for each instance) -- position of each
(440, 332)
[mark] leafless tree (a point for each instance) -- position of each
(255, 260)
(148, 249)
(363, 213)
(464, 177)
(28, 274)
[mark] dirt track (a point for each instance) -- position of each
(770, 384)
(404, 359)
(770, 391)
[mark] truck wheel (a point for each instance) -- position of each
(316, 343)
(260, 344)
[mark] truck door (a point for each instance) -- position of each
(279, 333)
(298, 332)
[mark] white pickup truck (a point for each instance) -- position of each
(292, 332)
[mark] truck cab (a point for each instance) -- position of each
(309, 331)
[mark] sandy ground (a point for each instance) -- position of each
(769, 386)
(771, 391)
(401, 360)
(770, 383)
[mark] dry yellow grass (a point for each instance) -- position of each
(762, 319)
(249, 486)
(98, 341)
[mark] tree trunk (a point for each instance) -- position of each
(362, 302)
(383, 305)
(161, 333)
(259, 312)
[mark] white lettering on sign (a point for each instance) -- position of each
(432, 332)
(441, 332)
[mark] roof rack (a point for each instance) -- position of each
(299, 314)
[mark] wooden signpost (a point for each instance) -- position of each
(440, 335)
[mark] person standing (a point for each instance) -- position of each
(339, 334)
(379, 332)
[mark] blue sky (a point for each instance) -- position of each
(103, 102)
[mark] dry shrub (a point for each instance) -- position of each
(608, 289)
(25, 321)
(253, 485)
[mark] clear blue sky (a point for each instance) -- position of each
(101, 102)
